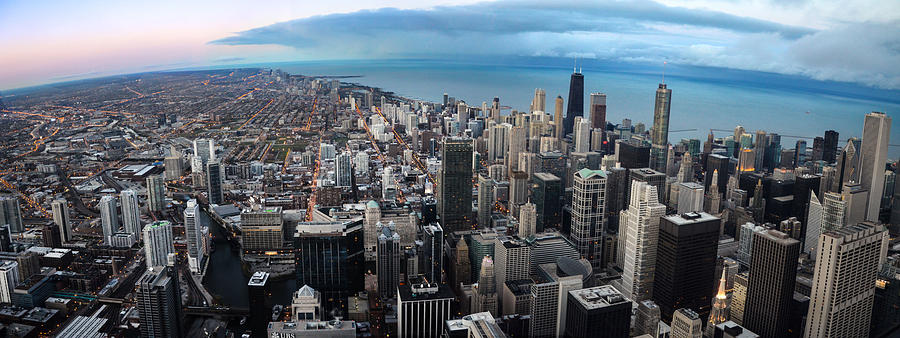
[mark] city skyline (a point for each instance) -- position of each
(428, 189)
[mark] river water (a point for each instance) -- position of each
(226, 282)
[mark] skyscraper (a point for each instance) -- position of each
(686, 323)
(205, 149)
(512, 260)
(388, 266)
(582, 135)
(158, 243)
(527, 220)
(813, 225)
(433, 252)
(422, 308)
(640, 234)
(455, 184)
(690, 197)
(686, 263)
(131, 212)
(11, 213)
(156, 193)
(485, 200)
(330, 258)
(597, 312)
(343, 171)
(843, 286)
(61, 217)
(516, 145)
(214, 178)
(872, 159)
(257, 292)
(588, 204)
(539, 101)
(558, 121)
(174, 165)
(598, 111)
(773, 271)
(486, 290)
(159, 302)
(546, 194)
(576, 101)
(719, 313)
(830, 150)
(9, 279)
(192, 225)
(109, 216)
(739, 297)
(660, 133)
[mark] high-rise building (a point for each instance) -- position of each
(455, 184)
(829, 152)
(686, 263)
(558, 120)
(739, 297)
(156, 193)
(719, 313)
(598, 312)
(131, 212)
(422, 308)
(485, 200)
(214, 179)
(262, 230)
(773, 271)
(9, 279)
(576, 101)
(527, 220)
(11, 213)
(646, 319)
(205, 149)
(814, 220)
(639, 239)
(721, 164)
(433, 252)
(306, 304)
(498, 142)
(61, 217)
(582, 135)
(660, 134)
(651, 177)
(388, 262)
(158, 243)
(843, 286)
(515, 146)
(159, 302)
(330, 258)
(257, 292)
(192, 233)
(539, 101)
(512, 260)
(174, 165)
(834, 212)
(109, 216)
(546, 194)
(343, 170)
(588, 204)
(686, 323)
(872, 159)
(690, 197)
(598, 111)
(486, 289)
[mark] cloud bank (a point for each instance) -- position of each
(642, 31)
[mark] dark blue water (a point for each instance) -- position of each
(225, 279)
(703, 98)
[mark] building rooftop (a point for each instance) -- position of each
(259, 278)
(691, 218)
(598, 297)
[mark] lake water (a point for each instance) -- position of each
(702, 98)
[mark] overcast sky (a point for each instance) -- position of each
(47, 41)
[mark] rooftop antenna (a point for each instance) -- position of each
(664, 72)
